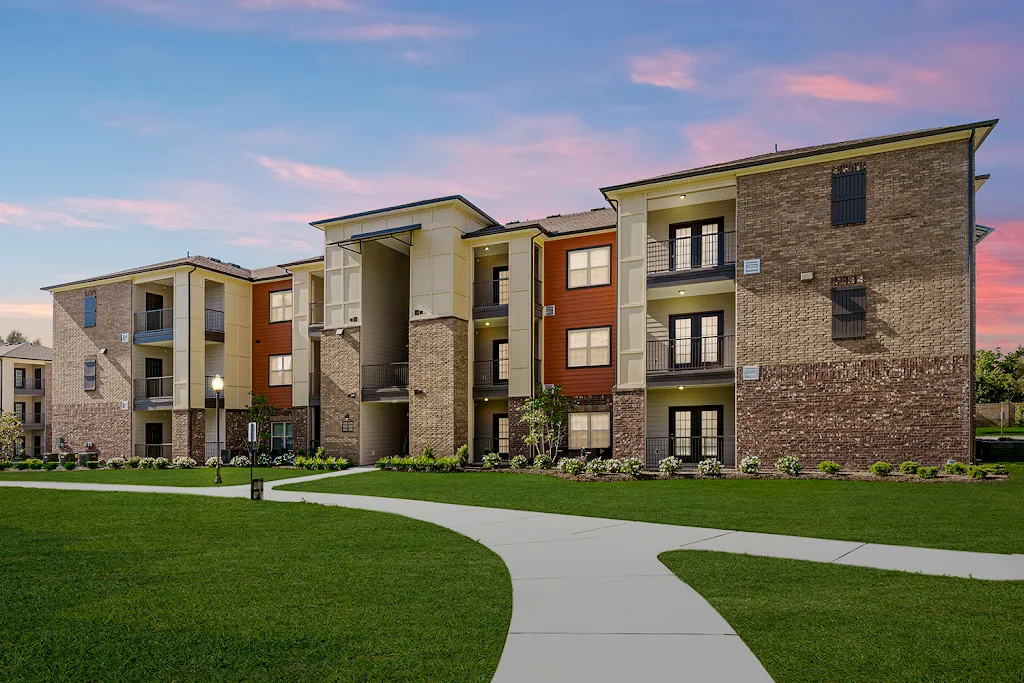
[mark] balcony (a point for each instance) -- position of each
(700, 258)
(29, 386)
(485, 445)
(31, 421)
(153, 450)
(691, 450)
(213, 325)
(490, 378)
(154, 327)
(314, 388)
(153, 393)
(698, 360)
(386, 382)
(210, 449)
(490, 298)
(538, 296)
(316, 318)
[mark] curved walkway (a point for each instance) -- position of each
(591, 600)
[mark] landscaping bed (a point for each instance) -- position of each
(231, 476)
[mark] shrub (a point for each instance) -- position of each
(670, 465)
(212, 462)
(977, 472)
(408, 464)
(634, 467)
(240, 461)
(573, 466)
(909, 467)
(789, 464)
(20, 465)
(491, 460)
(462, 455)
(70, 465)
(927, 472)
(543, 462)
(614, 465)
(286, 459)
(116, 463)
(92, 464)
(518, 462)
(880, 468)
(428, 452)
(709, 467)
(750, 464)
(4, 464)
(956, 468)
(597, 466)
(49, 466)
(184, 463)
(161, 463)
(829, 466)
(263, 460)
(134, 463)
(147, 463)
(34, 463)
(995, 467)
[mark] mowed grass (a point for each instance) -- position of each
(988, 431)
(200, 476)
(139, 587)
(977, 516)
(811, 622)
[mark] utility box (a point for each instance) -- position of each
(256, 490)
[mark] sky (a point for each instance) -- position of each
(136, 131)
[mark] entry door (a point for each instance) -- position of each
(501, 433)
(695, 341)
(500, 369)
(154, 437)
(154, 303)
(38, 374)
(695, 432)
(696, 245)
(501, 285)
(154, 371)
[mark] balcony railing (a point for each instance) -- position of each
(31, 420)
(154, 388)
(489, 445)
(689, 354)
(489, 293)
(214, 320)
(316, 313)
(489, 373)
(210, 450)
(153, 450)
(386, 376)
(28, 384)
(538, 292)
(691, 450)
(154, 321)
(686, 255)
(314, 385)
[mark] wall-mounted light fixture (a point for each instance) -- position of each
(418, 392)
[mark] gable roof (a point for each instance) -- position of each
(26, 351)
(411, 205)
(554, 226)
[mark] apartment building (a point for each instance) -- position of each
(24, 381)
(816, 302)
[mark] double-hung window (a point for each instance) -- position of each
(590, 267)
(281, 306)
(280, 436)
(280, 370)
(589, 347)
(90, 374)
(19, 378)
(589, 430)
(89, 311)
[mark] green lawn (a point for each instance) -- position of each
(195, 477)
(811, 622)
(980, 516)
(137, 587)
(988, 431)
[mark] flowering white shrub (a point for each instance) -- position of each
(788, 464)
(263, 460)
(519, 462)
(134, 462)
(573, 466)
(750, 464)
(614, 465)
(543, 462)
(240, 461)
(147, 463)
(183, 463)
(670, 465)
(212, 462)
(285, 459)
(709, 467)
(116, 463)
(161, 463)
(634, 467)
(491, 461)
(597, 466)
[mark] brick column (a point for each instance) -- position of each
(439, 370)
(517, 429)
(629, 417)
(186, 443)
(339, 367)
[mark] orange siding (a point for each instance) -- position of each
(585, 307)
(269, 339)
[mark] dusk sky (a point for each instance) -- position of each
(134, 131)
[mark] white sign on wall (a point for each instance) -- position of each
(251, 433)
(751, 266)
(124, 405)
(751, 372)
(124, 337)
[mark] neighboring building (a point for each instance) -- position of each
(24, 391)
(816, 302)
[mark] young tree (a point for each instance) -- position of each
(15, 337)
(261, 412)
(547, 417)
(10, 430)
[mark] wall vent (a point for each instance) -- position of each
(549, 310)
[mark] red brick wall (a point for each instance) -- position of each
(269, 339)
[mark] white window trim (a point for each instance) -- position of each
(283, 436)
(286, 309)
(589, 251)
(590, 429)
(283, 370)
(589, 347)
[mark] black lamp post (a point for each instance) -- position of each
(217, 384)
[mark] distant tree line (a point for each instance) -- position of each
(17, 337)
(999, 378)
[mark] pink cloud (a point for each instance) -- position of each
(15, 309)
(836, 87)
(318, 176)
(669, 68)
(729, 139)
(384, 31)
(43, 218)
(1000, 280)
(296, 5)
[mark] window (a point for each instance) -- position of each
(19, 411)
(696, 340)
(19, 378)
(696, 432)
(280, 436)
(589, 430)
(90, 374)
(89, 311)
(280, 370)
(19, 446)
(281, 306)
(590, 267)
(590, 347)
(849, 194)
(500, 286)
(849, 312)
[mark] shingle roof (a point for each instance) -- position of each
(26, 351)
(583, 221)
(787, 154)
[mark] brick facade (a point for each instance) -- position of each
(629, 415)
(188, 434)
(517, 430)
(339, 367)
(439, 385)
(903, 391)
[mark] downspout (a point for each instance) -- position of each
(533, 307)
(971, 287)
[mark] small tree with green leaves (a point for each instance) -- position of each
(546, 416)
(10, 430)
(261, 412)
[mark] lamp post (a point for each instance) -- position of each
(217, 384)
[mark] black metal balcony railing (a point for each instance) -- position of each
(316, 312)
(538, 292)
(314, 385)
(210, 449)
(153, 450)
(693, 353)
(489, 445)
(153, 321)
(492, 372)
(151, 388)
(686, 254)
(30, 420)
(386, 376)
(28, 383)
(538, 371)
(691, 450)
(490, 293)
(214, 320)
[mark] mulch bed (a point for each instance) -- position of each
(941, 478)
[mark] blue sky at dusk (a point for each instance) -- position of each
(134, 131)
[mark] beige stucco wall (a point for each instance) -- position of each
(632, 292)
(301, 296)
(659, 400)
(659, 311)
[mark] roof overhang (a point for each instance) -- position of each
(980, 180)
(456, 199)
(399, 238)
(981, 232)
